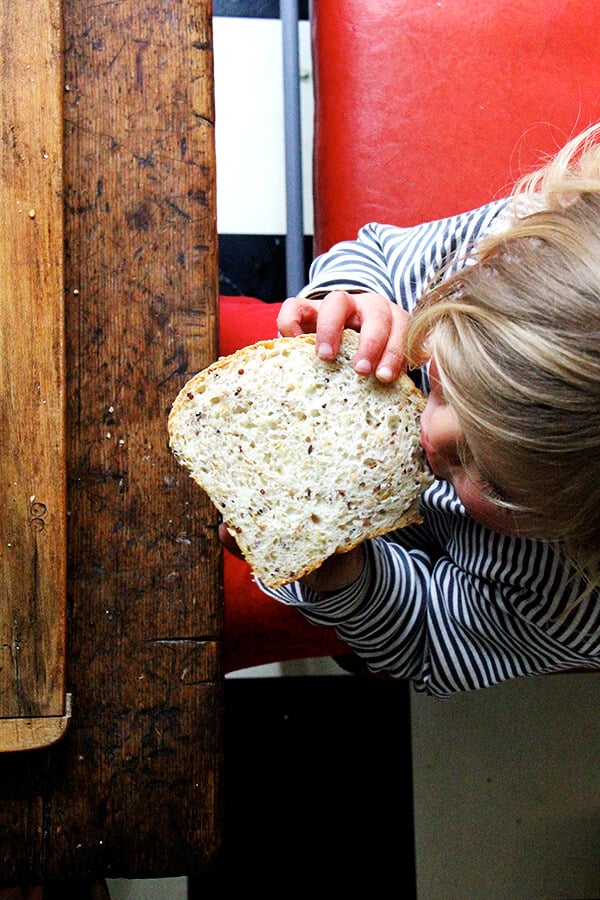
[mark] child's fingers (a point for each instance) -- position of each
(338, 310)
(392, 362)
(380, 343)
(381, 324)
(298, 315)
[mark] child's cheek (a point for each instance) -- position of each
(482, 509)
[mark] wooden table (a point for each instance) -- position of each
(111, 690)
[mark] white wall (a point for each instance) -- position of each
(249, 132)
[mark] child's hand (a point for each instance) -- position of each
(336, 573)
(227, 541)
(380, 322)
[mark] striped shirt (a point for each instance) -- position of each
(448, 603)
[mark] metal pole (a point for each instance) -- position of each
(294, 245)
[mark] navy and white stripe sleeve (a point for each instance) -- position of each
(400, 262)
(454, 607)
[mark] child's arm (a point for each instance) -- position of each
(448, 626)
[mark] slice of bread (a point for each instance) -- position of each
(303, 458)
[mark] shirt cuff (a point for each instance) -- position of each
(332, 607)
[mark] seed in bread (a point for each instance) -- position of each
(302, 457)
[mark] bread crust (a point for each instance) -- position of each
(303, 458)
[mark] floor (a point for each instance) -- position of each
(507, 791)
(321, 793)
(148, 889)
(506, 786)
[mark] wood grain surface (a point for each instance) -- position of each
(32, 383)
(133, 789)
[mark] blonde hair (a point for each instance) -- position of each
(516, 338)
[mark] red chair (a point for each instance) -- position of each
(258, 629)
(422, 109)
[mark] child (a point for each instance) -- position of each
(498, 311)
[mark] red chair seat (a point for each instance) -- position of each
(258, 629)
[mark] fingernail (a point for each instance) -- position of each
(325, 351)
(384, 373)
(362, 366)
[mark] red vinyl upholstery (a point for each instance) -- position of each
(423, 108)
(259, 630)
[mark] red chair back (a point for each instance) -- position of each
(424, 109)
